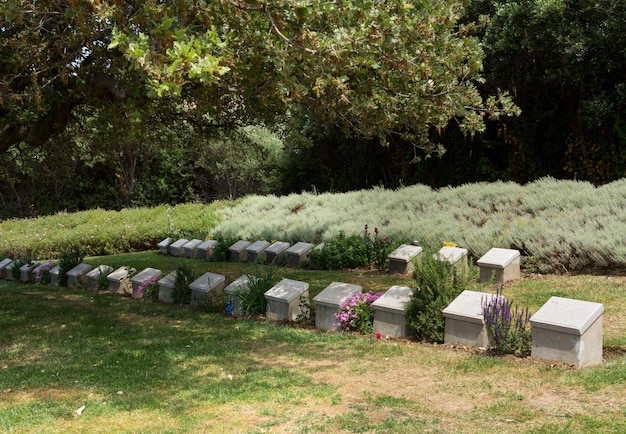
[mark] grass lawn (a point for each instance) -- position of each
(143, 366)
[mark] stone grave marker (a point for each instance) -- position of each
(401, 259)
(389, 317)
(327, 303)
(146, 273)
(166, 287)
(98, 277)
(569, 331)
(256, 251)
(54, 275)
(78, 275)
(500, 264)
(464, 320)
(456, 256)
(4, 267)
(164, 246)
(283, 299)
(26, 271)
(205, 250)
(298, 254)
(40, 270)
(208, 287)
(237, 252)
(119, 281)
(8, 271)
(176, 248)
(233, 291)
(190, 248)
(275, 254)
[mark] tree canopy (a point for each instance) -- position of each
(374, 68)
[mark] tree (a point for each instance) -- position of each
(374, 68)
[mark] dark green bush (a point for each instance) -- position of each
(253, 301)
(185, 275)
(437, 284)
(341, 252)
(70, 256)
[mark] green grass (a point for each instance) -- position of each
(145, 366)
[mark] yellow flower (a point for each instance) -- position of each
(449, 244)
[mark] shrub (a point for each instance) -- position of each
(253, 301)
(185, 275)
(437, 284)
(70, 257)
(508, 327)
(42, 274)
(15, 268)
(341, 252)
(220, 253)
(356, 313)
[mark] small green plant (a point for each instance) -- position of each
(42, 273)
(356, 313)
(508, 326)
(185, 275)
(70, 257)
(253, 301)
(377, 248)
(341, 252)
(15, 268)
(220, 253)
(437, 284)
(103, 281)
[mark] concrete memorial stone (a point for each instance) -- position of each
(389, 317)
(54, 275)
(401, 259)
(298, 254)
(256, 251)
(119, 281)
(145, 275)
(501, 265)
(205, 250)
(275, 254)
(327, 303)
(41, 272)
(464, 320)
(237, 252)
(97, 278)
(8, 270)
(207, 288)
(26, 271)
(4, 264)
(78, 275)
(166, 287)
(569, 331)
(164, 246)
(176, 248)
(283, 299)
(190, 248)
(456, 256)
(233, 292)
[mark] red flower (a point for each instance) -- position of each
(377, 335)
(376, 231)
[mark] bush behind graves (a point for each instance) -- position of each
(253, 301)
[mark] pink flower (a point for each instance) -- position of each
(377, 335)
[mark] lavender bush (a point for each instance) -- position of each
(508, 326)
(356, 314)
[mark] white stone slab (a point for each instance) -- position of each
(119, 280)
(298, 254)
(501, 265)
(190, 248)
(328, 301)
(283, 299)
(464, 320)
(166, 287)
(176, 248)
(389, 317)
(26, 271)
(208, 285)
(401, 259)
(8, 271)
(54, 275)
(237, 252)
(453, 255)
(146, 273)
(568, 330)
(256, 251)
(275, 254)
(4, 264)
(93, 277)
(233, 292)
(77, 275)
(164, 246)
(205, 250)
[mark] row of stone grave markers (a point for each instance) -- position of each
(562, 329)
